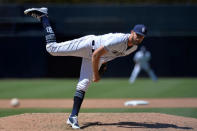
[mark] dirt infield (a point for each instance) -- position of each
(101, 103)
(98, 122)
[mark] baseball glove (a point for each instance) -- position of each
(103, 69)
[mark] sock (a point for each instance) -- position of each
(78, 99)
(48, 31)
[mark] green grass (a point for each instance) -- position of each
(186, 112)
(106, 88)
(37, 88)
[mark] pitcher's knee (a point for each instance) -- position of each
(51, 49)
(83, 85)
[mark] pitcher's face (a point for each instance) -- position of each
(136, 39)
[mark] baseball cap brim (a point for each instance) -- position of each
(139, 33)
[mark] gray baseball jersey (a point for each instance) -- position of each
(116, 45)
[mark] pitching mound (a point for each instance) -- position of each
(98, 122)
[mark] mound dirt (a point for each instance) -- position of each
(98, 122)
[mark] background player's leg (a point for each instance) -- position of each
(150, 72)
(134, 74)
(152, 75)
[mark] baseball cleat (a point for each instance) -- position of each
(36, 12)
(73, 122)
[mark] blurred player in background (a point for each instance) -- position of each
(95, 51)
(141, 60)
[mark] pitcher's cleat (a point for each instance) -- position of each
(73, 122)
(36, 12)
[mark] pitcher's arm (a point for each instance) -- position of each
(95, 62)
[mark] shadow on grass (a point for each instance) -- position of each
(135, 125)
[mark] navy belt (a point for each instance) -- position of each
(93, 43)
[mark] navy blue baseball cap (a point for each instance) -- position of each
(140, 29)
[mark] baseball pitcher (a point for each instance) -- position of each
(95, 51)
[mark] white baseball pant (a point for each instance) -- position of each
(81, 47)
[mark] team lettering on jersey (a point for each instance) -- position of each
(49, 29)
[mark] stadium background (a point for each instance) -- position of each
(171, 37)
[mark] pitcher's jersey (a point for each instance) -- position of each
(116, 45)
